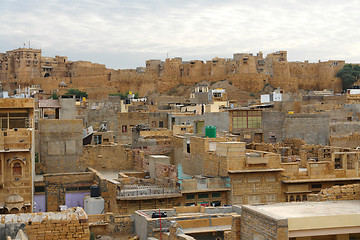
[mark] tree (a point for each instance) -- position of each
(124, 95)
(54, 96)
(121, 95)
(349, 75)
(77, 93)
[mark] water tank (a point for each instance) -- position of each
(210, 131)
(94, 205)
(156, 214)
(95, 191)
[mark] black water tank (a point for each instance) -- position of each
(94, 191)
(156, 215)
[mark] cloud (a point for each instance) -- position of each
(101, 30)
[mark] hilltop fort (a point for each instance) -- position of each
(248, 72)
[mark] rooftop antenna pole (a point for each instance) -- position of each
(160, 224)
(29, 44)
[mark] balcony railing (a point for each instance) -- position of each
(140, 191)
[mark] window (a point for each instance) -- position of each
(188, 147)
(124, 128)
(350, 162)
(161, 124)
(203, 195)
(270, 178)
(215, 195)
(338, 162)
(39, 188)
(17, 170)
(153, 124)
(14, 120)
(190, 196)
(217, 95)
(246, 119)
(271, 198)
(254, 199)
(316, 186)
(253, 179)
(97, 139)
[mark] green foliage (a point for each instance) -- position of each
(121, 95)
(54, 96)
(124, 95)
(77, 93)
(349, 74)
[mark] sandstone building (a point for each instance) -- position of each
(17, 155)
(26, 67)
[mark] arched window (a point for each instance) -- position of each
(298, 198)
(14, 211)
(17, 170)
(291, 198)
(304, 198)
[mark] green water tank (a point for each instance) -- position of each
(210, 131)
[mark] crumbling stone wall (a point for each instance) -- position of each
(56, 184)
(69, 224)
(107, 157)
(110, 224)
(125, 122)
(351, 140)
(337, 193)
(235, 232)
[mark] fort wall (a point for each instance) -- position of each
(26, 66)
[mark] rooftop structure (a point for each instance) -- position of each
(196, 222)
(311, 220)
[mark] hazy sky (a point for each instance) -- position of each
(123, 34)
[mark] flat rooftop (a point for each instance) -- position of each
(305, 219)
(111, 175)
(308, 209)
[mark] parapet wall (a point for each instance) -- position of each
(68, 224)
